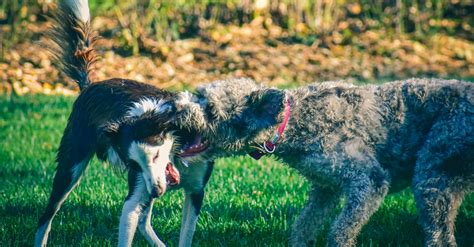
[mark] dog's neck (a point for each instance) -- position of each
(269, 146)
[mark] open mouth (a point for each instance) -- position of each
(172, 175)
(194, 147)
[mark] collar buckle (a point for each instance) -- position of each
(269, 147)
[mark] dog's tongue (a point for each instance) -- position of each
(172, 175)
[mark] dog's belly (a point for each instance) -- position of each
(401, 169)
(398, 185)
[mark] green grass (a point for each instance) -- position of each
(247, 203)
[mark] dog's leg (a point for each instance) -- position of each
(66, 178)
(364, 192)
(192, 207)
(144, 225)
(136, 202)
(438, 205)
(439, 188)
(443, 176)
(320, 204)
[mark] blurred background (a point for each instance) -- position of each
(179, 44)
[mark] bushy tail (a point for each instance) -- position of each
(72, 41)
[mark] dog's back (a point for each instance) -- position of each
(111, 99)
(426, 118)
(395, 119)
(407, 126)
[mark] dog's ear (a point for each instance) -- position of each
(262, 108)
(151, 125)
(266, 103)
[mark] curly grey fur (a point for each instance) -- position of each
(352, 142)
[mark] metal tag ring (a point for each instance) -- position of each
(268, 150)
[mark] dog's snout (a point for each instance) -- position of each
(157, 191)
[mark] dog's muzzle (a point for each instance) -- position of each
(172, 179)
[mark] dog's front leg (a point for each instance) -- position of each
(321, 203)
(193, 198)
(364, 192)
(191, 209)
(137, 200)
(144, 225)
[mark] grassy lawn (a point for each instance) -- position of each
(248, 203)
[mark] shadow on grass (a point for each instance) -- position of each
(220, 224)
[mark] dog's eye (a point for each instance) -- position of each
(156, 156)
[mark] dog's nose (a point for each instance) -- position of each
(156, 191)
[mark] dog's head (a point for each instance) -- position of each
(144, 143)
(230, 114)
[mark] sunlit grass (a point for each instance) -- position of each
(247, 203)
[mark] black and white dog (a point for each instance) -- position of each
(122, 121)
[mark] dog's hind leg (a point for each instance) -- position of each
(437, 204)
(320, 204)
(439, 185)
(65, 180)
(137, 207)
(444, 174)
(194, 195)
(364, 192)
(74, 153)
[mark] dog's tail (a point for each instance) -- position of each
(72, 41)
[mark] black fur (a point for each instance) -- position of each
(97, 122)
(196, 200)
(197, 197)
(133, 175)
(100, 119)
(210, 168)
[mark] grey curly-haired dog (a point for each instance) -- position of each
(353, 142)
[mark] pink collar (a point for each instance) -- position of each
(269, 146)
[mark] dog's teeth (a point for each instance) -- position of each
(185, 163)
